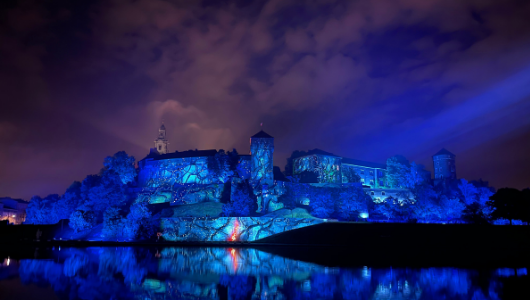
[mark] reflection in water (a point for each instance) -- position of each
(240, 273)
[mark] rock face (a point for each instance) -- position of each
(244, 229)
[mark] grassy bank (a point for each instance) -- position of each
(404, 244)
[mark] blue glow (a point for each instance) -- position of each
(239, 273)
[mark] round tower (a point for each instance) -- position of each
(444, 165)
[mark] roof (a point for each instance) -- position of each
(262, 135)
(444, 152)
(189, 153)
(351, 161)
(162, 127)
(17, 200)
(321, 152)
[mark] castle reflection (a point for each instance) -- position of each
(239, 273)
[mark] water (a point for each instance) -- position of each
(233, 273)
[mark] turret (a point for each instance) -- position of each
(261, 152)
(444, 165)
(161, 142)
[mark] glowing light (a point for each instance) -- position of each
(363, 215)
(233, 236)
(233, 254)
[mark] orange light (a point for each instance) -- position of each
(233, 236)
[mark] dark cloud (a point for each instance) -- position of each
(368, 79)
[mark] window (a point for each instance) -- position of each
(383, 193)
(371, 172)
(159, 147)
(372, 193)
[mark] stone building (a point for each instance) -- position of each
(13, 210)
(194, 176)
(331, 168)
(444, 165)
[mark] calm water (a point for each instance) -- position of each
(232, 273)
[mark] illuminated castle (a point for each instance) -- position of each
(195, 176)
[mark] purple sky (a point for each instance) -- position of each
(80, 80)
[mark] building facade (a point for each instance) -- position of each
(13, 210)
(330, 168)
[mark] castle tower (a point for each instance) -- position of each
(261, 151)
(161, 142)
(444, 165)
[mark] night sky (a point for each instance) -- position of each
(81, 80)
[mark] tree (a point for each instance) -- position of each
(42, 210)
(451, 208)
(474, 214)
(416, 176)
(83, 218)
(425, 203)
(468, 190)
(35, 213)
(353, 201)
(398, 171)
(385, 208)
(322, 205)
(112, 222)
(104, 191)
(123, 165)
(507, 204)
(71, 199)
(140, 224)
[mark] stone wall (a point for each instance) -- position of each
(245, 229)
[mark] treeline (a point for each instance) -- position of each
(101, 198)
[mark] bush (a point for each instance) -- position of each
(112, 223)
(140, 224)
(322, 205)
(82, 219)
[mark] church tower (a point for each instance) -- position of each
(161, 142)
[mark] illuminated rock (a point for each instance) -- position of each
(229, 228)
